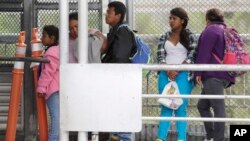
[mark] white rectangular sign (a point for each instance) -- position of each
(100, 97)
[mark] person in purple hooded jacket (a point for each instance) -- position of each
(211, 42)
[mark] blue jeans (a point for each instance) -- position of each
(123, 136)
(185, 87)
(53, 106)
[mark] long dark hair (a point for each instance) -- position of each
(184, 35)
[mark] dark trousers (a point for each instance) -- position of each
(213, 86)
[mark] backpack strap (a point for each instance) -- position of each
(134, 50)
(217, 58)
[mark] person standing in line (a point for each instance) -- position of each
(48, 82)
(211, 42)
(73, 35)
(120, 39)
(120, 47)
(97, 42)
(177, 46)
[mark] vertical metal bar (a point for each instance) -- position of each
(100, 15)
(30, 120)
(82, 136)
(95, 136)
(130, 10)
(64, 31)
(105, 27)
(64, 50)
(83, 44)
(83, 31)
(64, 135)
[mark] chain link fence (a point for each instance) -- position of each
(151, 21)
(10, 25)
(46, 12)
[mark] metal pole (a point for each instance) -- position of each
(197, 96)
(83, 31)
(130, 12)
(64, 136)
(198, 119)
(198, 67)
(64, 50)
(83, 44)
(29, 116)
(64, 31)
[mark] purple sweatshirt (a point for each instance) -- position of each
(212, 41)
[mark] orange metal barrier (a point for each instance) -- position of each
(36, 47)
(17, 79)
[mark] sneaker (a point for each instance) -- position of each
(158, 140)
(209, 140)
(115, 138)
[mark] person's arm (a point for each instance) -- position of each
(192, 49)
(102, 37)
(161, 52)
(206, 45)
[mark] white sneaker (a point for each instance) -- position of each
(209, 140)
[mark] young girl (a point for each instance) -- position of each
(48, 83)
(177, 46)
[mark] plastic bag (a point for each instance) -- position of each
(171, 89)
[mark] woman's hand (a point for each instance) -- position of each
(172, 74)
(40, 94)
(198, 80)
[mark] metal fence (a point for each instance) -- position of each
(44, 12)
(10, 25)
(150, 19)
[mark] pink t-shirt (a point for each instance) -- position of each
(73, 44)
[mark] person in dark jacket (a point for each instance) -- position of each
(212, 41)
(120, 47)
(120, 40)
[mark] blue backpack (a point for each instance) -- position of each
(143, 53)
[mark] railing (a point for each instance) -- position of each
(82, 136)
(197, 97)
(198, 67)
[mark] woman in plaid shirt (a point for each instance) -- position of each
(177, 46)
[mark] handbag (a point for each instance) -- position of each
(171, 89)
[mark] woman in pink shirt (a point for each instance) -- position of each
(48, 83)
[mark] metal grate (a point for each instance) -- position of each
(10, 25)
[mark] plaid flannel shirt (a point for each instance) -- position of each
(192, 49)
